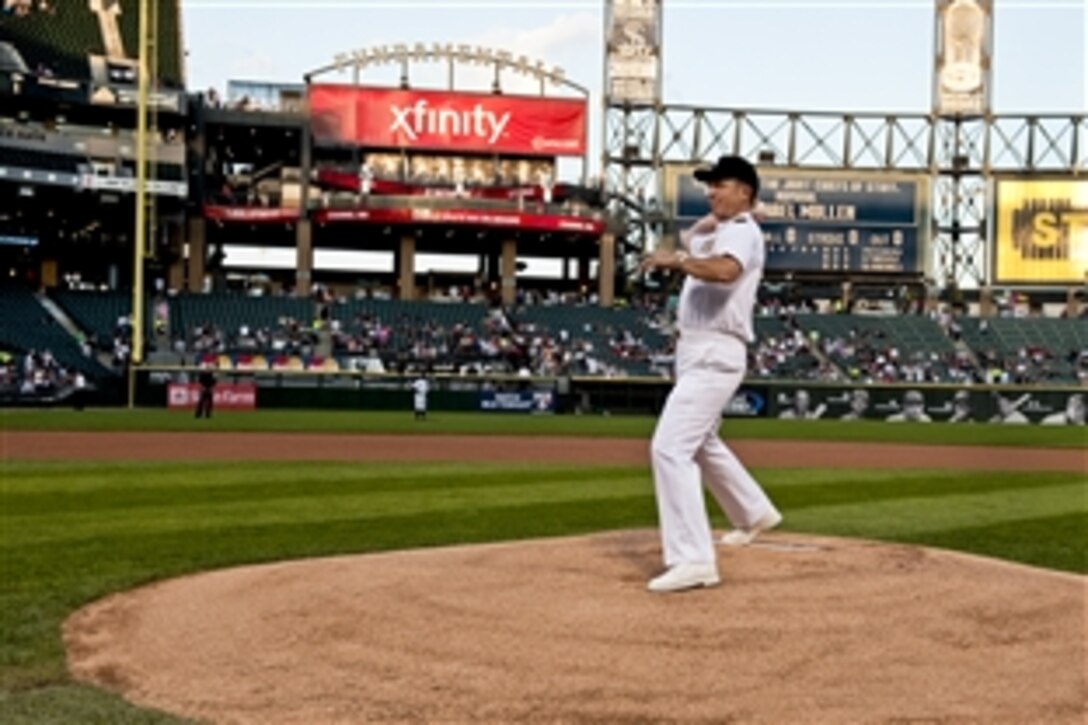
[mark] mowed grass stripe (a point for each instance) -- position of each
(1048, 541)
(303, 507)
(161, 485)
(301, 499)
(78, 477)
(917, 515)
(49, 488)
(447, 423)
(849, 487)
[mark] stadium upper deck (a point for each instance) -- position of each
(286, 183)
(234, 187)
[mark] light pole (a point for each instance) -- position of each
(136, 354)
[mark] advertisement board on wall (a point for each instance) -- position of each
(225, 397)
(633, 61)
(464, 217)
(749, 402)
(964, 45)
(927, 404)
(522, 401)
(127, 184)
(893, 404)
(1040, 232)
(845, 222)
(447, 120)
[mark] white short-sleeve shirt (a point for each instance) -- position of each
(719, 307)
(420, 389)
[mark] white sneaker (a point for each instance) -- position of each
(743, 537)
(685, 576)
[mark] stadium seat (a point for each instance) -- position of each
(26, 325)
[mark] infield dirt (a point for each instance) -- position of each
(802, 630)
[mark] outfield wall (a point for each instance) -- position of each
(1008, 404)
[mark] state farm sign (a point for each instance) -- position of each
(390, 117)
(224, 396)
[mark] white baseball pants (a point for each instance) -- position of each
(686, 447)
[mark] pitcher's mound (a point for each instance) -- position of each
(802, 629)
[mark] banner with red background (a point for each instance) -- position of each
(225, 396)
(447, 121)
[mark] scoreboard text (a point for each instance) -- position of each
(847, 222)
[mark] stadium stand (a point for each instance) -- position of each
(27, 327)
(228, 323)
(433, 335)
(1029, 350)
(23, 159)
(607, 341)
(901, 348)
(545, 339)
(100, 314)
(783, 351)
(55, 38)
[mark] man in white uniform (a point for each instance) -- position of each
(722, 258)
(420, 388)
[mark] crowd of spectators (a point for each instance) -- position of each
(115, 347)
(508, 341)
(493, 345)
(867, 357)
(789, 356)
(1031, 365)
(36, 374)
(793, 343)
(289, 336)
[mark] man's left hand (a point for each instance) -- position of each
(660, 259)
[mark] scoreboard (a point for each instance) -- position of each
(847, 222)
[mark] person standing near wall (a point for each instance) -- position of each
(204, 404)
(420, 388)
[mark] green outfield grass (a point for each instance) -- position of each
(74, 532)
(442, 423)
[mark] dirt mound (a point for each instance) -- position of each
(802, 629)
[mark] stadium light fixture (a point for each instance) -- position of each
(420, 52)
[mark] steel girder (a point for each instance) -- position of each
(961, 155)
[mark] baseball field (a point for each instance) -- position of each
(98, 503)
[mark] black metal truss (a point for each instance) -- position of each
(961, 155)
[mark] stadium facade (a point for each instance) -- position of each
(349, 181)
(284, 176)
(341, 167)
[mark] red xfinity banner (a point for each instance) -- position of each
(445, 120)
(224, 397)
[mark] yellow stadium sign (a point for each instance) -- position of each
(1041, 231)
